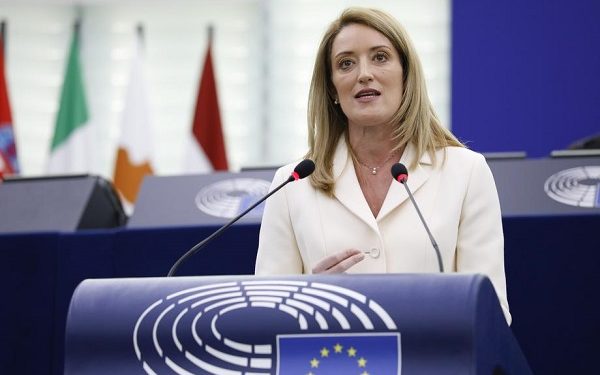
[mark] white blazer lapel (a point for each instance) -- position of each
(416, 178)
(347, 189)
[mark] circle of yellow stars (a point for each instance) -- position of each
(339, 349)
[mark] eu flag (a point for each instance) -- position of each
(357, 353)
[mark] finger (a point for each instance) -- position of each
(344, 265)
(330, 261)
(334, 259)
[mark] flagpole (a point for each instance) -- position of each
(78, 16)
(77, 31)
(210, 31)
(139, 30)
(3, 36)
(77, 26)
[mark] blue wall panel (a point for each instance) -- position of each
(525, 74)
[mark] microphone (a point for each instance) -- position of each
(400, 174)
(303, 169)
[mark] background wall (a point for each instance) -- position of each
(525, 73)
(263, 56)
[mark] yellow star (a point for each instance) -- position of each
(338, 348)
(314, 362)
(351, 352)
(363, 373)
(362, 362)
(324, 352)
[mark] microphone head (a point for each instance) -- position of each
(303, 169)
(399, 172)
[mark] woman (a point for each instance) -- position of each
(368, 109)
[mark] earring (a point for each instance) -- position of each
(336, 102)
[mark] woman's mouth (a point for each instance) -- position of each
(366, 95)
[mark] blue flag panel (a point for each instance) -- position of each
(374, 353)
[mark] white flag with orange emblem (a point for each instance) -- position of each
(136, 143)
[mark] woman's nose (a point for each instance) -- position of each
(364, 75)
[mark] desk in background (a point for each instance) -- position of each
(552, 260)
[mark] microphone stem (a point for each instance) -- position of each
(435, 245)
(217, 233)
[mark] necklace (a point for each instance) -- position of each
(374, 170)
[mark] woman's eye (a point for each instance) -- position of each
(381, 57)
(345, 63)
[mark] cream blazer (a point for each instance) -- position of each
(301, 225)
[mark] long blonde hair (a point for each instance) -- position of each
(415, 120)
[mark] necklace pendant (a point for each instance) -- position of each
(374, 171)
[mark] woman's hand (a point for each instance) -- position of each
(339, 262)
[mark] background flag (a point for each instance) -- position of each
(8, 148)
(70, 148)
(207, 151)
(136, 142)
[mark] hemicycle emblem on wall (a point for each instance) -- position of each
(230, 197)
(579, 187)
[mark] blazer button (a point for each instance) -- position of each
(374, 253)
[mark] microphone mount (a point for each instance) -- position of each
(400, 174)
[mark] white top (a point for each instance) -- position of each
(458, 199)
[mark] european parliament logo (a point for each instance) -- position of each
(228, 198)
(267, 327)
(361, 354)
(578, 187)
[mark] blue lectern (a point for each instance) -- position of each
(336, 324)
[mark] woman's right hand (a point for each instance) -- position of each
(339, 262)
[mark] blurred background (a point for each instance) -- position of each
(263, 54)
(504, 77)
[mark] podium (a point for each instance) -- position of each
(305, 324)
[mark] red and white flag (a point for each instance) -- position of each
(207, 149)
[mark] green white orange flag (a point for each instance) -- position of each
(136, 143)
(70, 149)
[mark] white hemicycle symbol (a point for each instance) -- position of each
(228, 198)
(187, 348)
(579, 187)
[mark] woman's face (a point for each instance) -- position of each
(367, 75)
